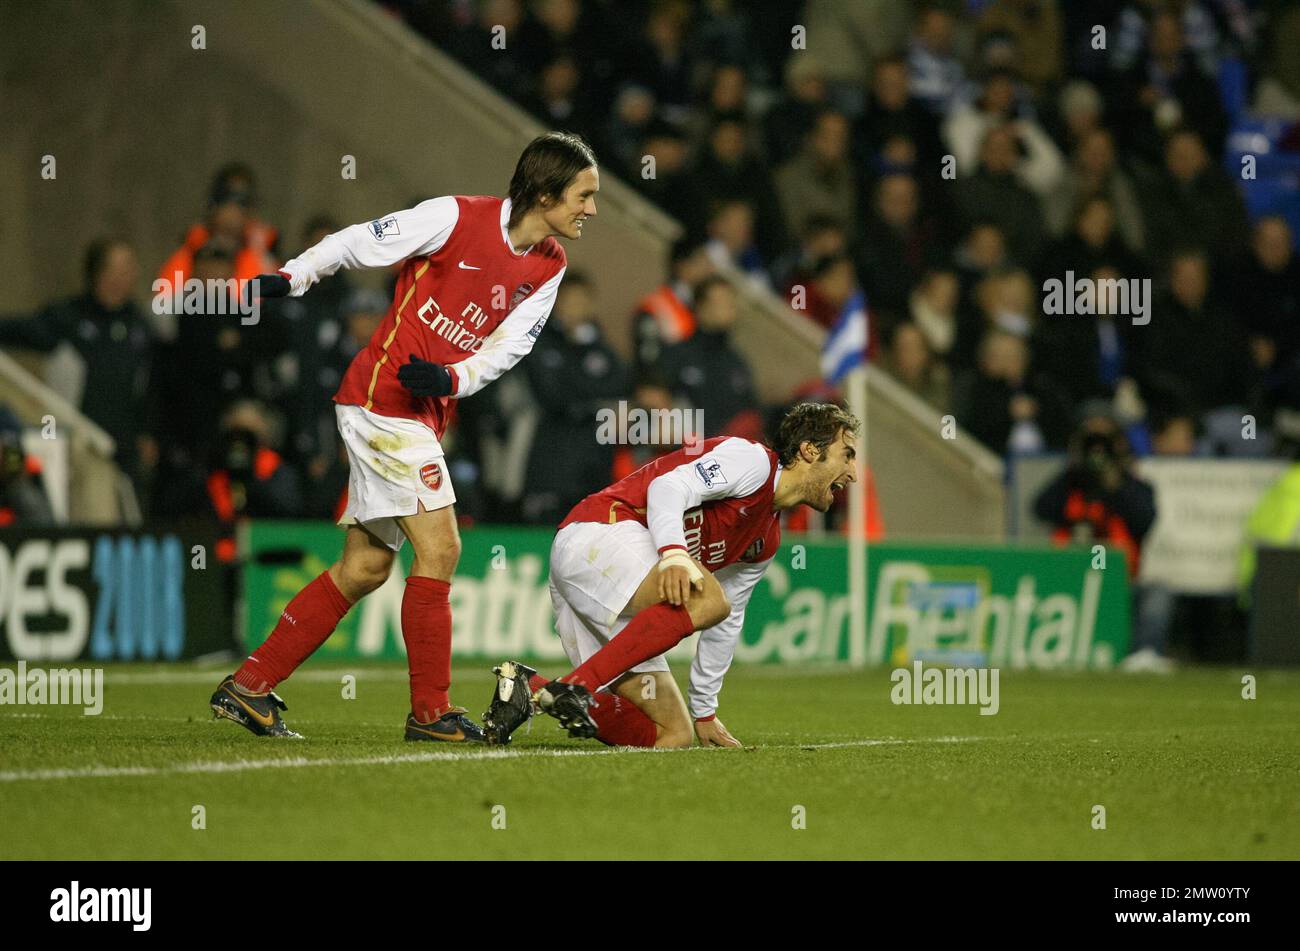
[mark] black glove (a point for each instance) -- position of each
(268, 285)
(423, 378)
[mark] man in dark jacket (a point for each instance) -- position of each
(573, 374)
(107, 329)
(707, 373)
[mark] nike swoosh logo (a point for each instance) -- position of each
(266, 720)
(469, 267)
(458, 735)
(744, 510)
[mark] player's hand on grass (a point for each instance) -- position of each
(678, 577)
(713, 733)
(423, 378)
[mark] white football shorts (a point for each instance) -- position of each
(595, 570)
(395, 464)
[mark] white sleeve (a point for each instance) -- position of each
(509, 343)
(379, 243)
(717, 644)
(735, 468)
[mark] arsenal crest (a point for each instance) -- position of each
(431, 475)
(522, 291)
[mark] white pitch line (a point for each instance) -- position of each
(447, 756)
(216, 673)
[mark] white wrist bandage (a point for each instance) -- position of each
(679, 558)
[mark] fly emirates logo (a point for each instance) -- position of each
(455, 332)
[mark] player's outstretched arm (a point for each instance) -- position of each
(379, 243)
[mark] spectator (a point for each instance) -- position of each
(1089, 357)
(1167, 89)
(244, 477)
(668, 182)
(621, 144)
(898, 244)
(832, 283)
(1173, 356)
(727, 95)
(707, 373)
(328, 356)
(651, 395)
(730, 170)
(790, 120)
(1192, 198)
(1004, 405)
(1093, 242)
(560, 100)
(662, 60)
(231, 218)
(1079, 109)
(913, 364)
(1138, 28)
(1098, 497)
(1268, 296)
(820, 179)
(215, 360)
(23, 502)
(473, 44)
(932, 307)
(1006, 300)
(937, 73)
(1094, 173)
(572, 373)
(664, 316)
(731, 240)
(1038, 164)
(1036, 30)
(995, 194)
(113, 339)
(894, 115)
(821, 238)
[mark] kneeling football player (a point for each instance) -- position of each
(675, 547)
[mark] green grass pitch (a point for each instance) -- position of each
(1184, 766)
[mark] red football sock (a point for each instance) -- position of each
(651, 632)
(307, 621)
(620, 722)
(426, 628)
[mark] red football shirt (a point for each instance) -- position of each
(464, 298)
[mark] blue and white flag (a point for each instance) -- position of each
(846, 345)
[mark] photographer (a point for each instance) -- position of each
(1098, 498)
(22, 498)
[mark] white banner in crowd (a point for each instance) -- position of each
(1201, 510)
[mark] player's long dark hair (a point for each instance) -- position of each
(545, 169)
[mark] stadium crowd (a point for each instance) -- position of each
(943, 158)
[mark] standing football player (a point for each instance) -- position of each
(478, 284)
(675, 547)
